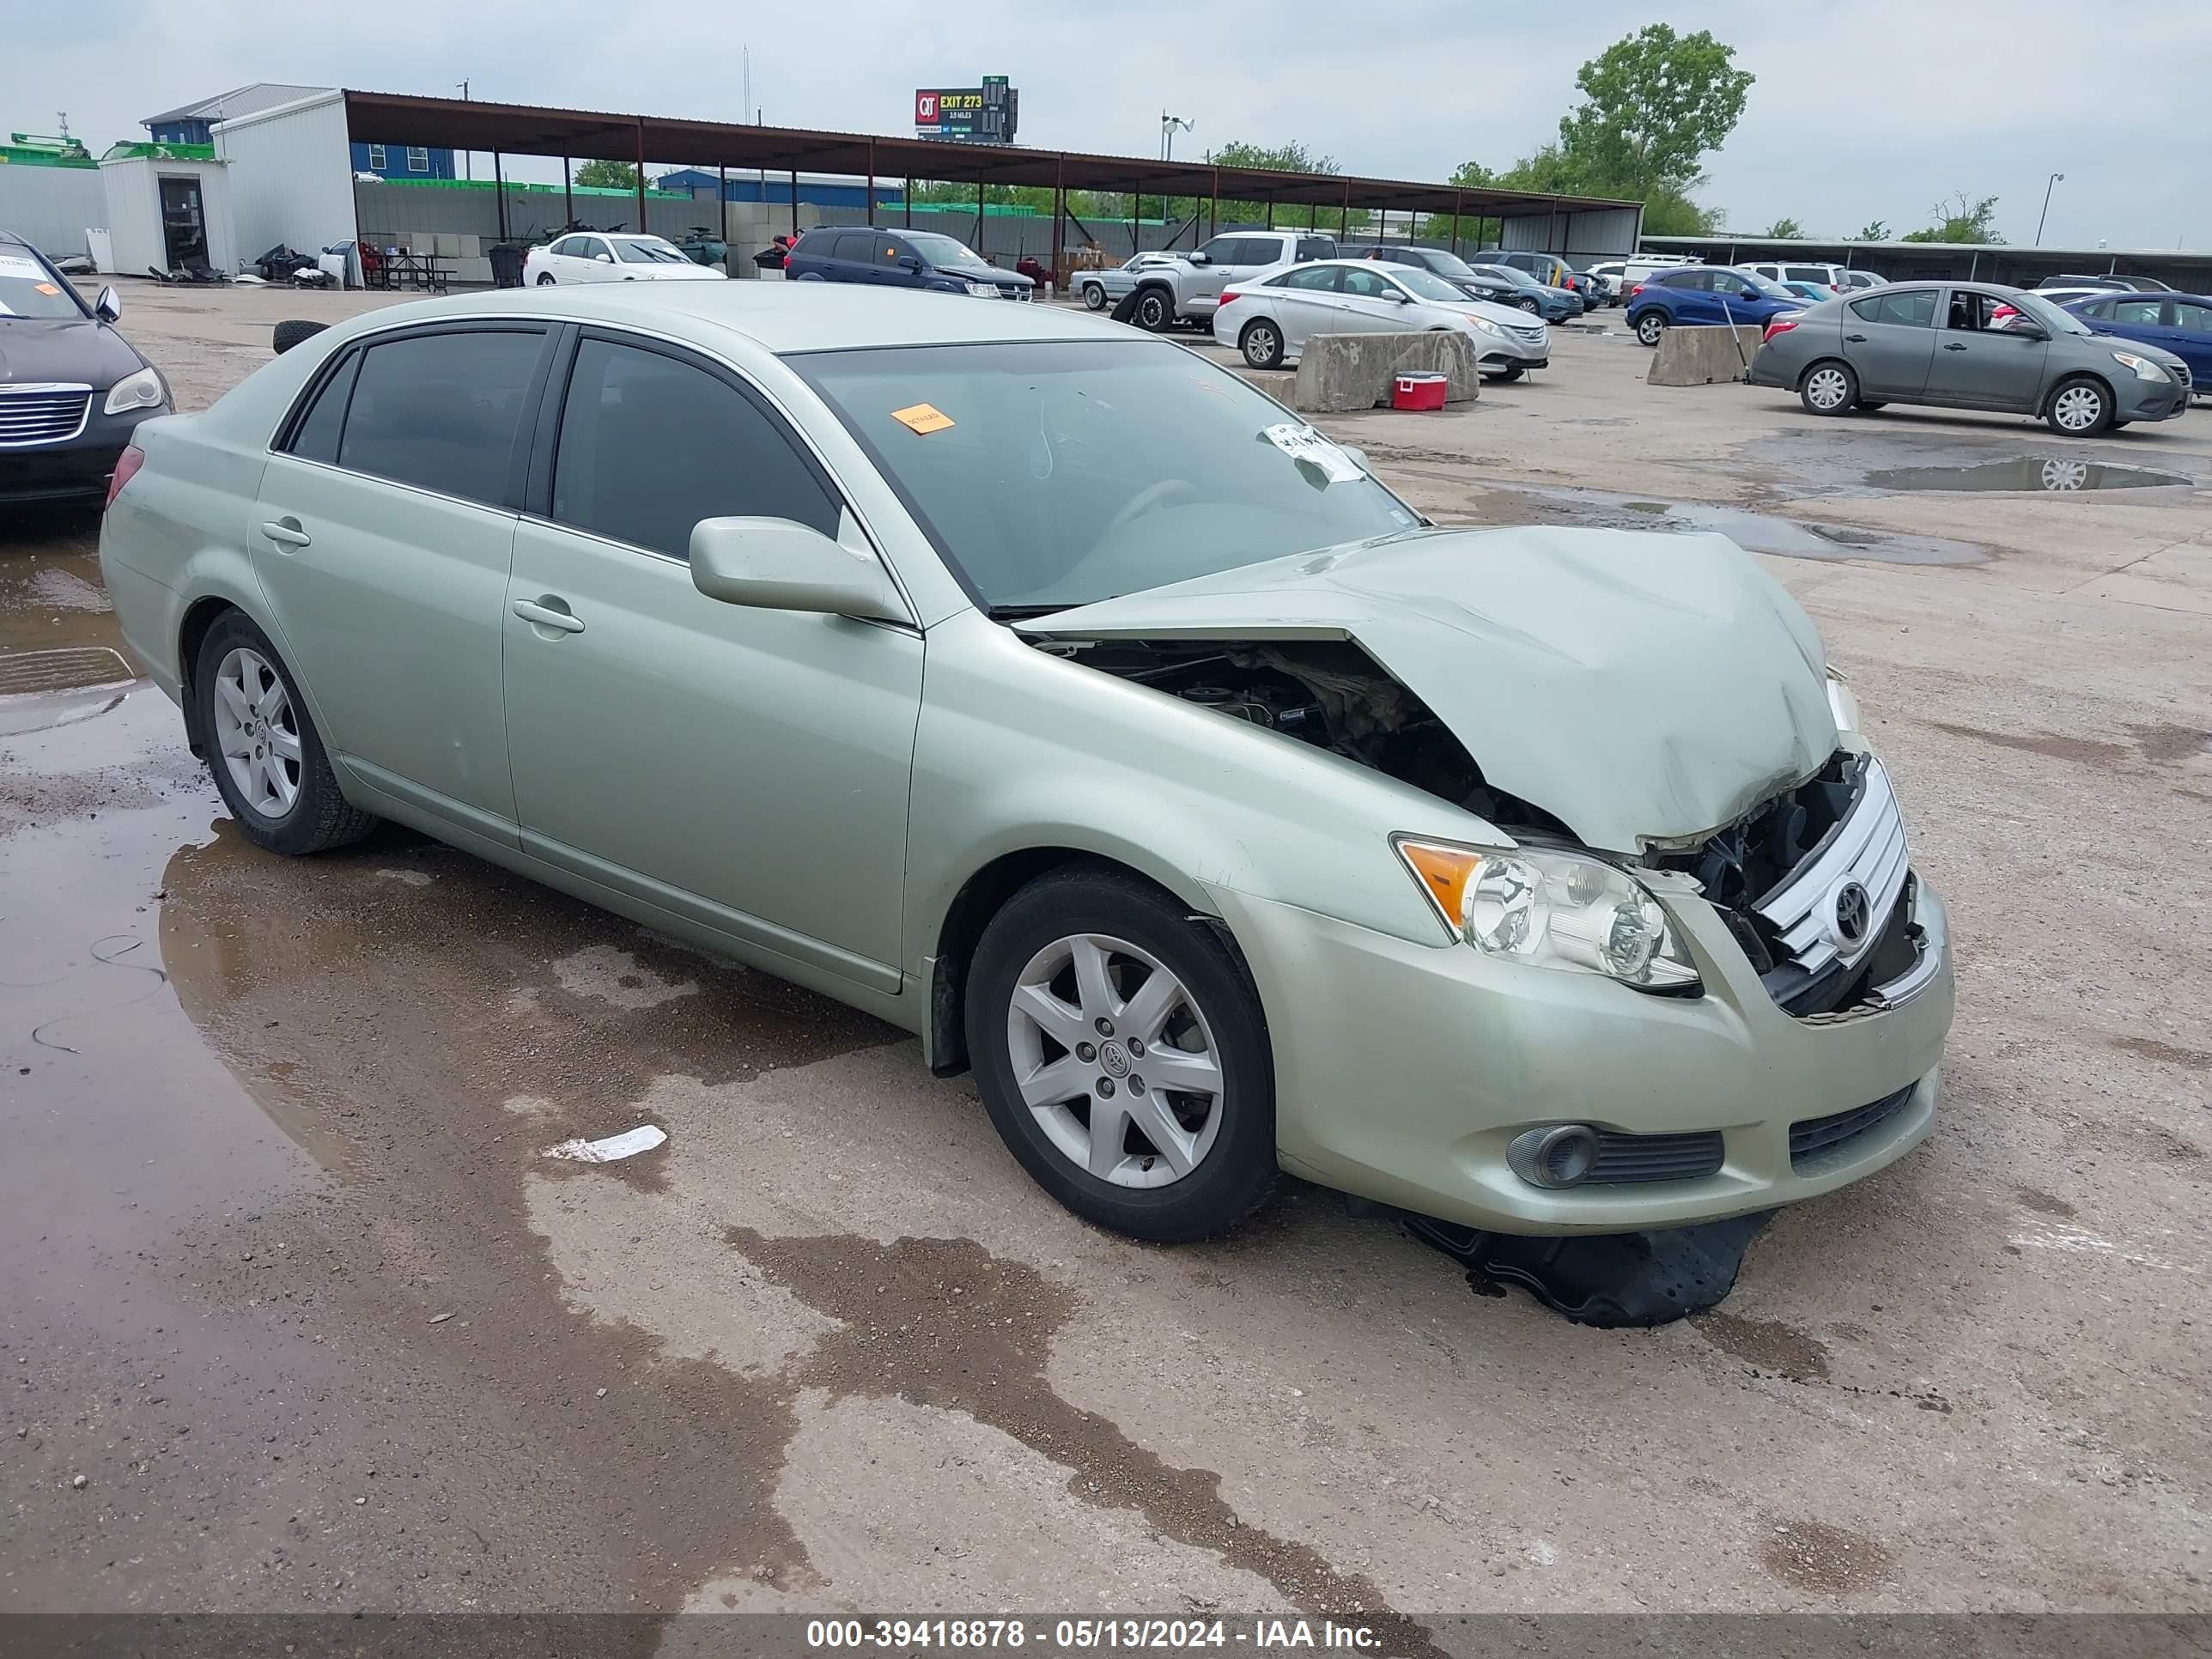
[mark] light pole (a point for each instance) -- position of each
(2055, 179)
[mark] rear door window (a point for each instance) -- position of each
(1913, 308)
(2196, 319)
(1317, 247)
(441, 411)
(2142, 313)
(856, 245)
(652, 443)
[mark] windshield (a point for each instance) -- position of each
(2057, 321)
(655, 252)
(1507, 273)
(1429, 285)
(29, 289)
(942, 250)
(1054, 473)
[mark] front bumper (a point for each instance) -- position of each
(1403, 1070)
(2138, 400)
(1510, 350)
(74, 468)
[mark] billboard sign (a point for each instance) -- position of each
(977, 115)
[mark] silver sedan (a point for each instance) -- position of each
(1270, 317)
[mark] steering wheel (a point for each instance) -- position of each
(1147, 500)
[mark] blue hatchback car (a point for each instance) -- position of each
(1708, 296)
(885, 258)
(2182, 323)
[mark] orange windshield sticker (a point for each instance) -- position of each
(47, 289)
(923, 418)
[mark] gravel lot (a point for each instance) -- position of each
(286, 1281)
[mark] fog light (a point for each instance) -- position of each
(1560, 1157)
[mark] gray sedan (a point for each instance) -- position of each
(1968, 345)
(1269, 318)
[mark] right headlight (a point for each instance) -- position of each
(2144, 369)
(983, 290)
(1552, 909)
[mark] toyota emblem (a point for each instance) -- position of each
(1853, 913)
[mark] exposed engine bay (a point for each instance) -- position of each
(1332, 695)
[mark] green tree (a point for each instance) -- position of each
(1653, 104)
(1961, 220)
(1292, 157)
(1785, 229)
(607, 175)
(1875, 230)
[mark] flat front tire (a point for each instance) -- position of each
(1121, 1052)
(268, 760)
(1829, 388)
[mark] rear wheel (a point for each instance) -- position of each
(2079, 408)
(1262, 343)
(1649, 326)
(545, 279)
(267, 759)
(1122, 1054)
(1829, 388)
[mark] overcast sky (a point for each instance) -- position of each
(1863, 110)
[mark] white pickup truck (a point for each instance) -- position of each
(1188, 287)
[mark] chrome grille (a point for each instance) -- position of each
(43, 413)
(1529, 336)
(1868, 848)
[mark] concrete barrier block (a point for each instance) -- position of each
(1702, 356)
(468, 247)
(475, 271)
(1339, 373)
(443, 245)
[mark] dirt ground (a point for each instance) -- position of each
(295, 1315)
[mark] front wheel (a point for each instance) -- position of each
(1533, 305)
(1649, 326)
(1829, 389)
(2079, 408)
(1262, 343)
(267, 759)
(1121, 1052)
(1155, 311)
(545, 279)
(1094, 296)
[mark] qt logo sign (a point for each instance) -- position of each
(925, 108)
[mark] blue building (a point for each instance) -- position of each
(828, 189)
(193, 124)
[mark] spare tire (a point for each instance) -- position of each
(291, 331)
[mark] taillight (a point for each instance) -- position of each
(1779, 325)
(1229, 295)
(126, 468)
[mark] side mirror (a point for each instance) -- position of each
(1399, 296)
(605, 258)
(1201, 258)
(909, 261)
(107, 308)
(2028, 330)
(776, 564)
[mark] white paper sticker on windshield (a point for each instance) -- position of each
(1303, 443)
(15, 264)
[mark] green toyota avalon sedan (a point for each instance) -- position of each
(1043, 689)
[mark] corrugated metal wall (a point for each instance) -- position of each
(51, 207)
(291, 175)
(1577, 238)
(134, 212)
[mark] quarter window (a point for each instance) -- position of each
(441, 410)
(316, 437)
(2196, 318)
(650, 445)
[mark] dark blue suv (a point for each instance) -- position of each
(1707, 296)
(900, 259)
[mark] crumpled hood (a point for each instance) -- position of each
(1640, 685)
(74, 351)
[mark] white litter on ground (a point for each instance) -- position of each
(628, 1143)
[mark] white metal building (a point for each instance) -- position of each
(135, 186)
(291, 170)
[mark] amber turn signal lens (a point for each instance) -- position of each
(1444, 874)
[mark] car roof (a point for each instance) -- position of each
(779, 317)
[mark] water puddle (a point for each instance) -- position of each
(1757, 533)
(2060, 474)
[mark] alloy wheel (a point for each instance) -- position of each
(1114, 1057)
(1262, 346)
(257, 732)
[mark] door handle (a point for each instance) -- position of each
(1855, 339)
(545, 617)
(286, 532)
(1954, 346)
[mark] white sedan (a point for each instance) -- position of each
(606, 256)
(1269, 316)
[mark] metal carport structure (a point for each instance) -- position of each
(1568, 225)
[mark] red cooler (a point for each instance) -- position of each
(1418, 391)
